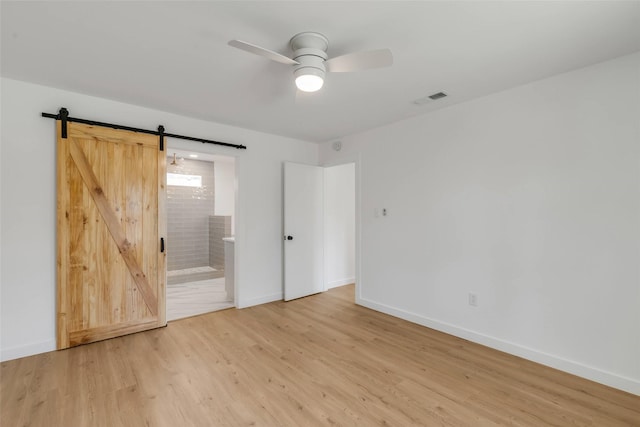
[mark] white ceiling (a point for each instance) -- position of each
(173, 56)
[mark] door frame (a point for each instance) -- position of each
(356, 160)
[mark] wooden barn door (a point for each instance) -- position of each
(110, 267)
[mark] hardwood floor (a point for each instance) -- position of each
(320, 360)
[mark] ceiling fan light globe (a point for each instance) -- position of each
(309, 82)
(309, 79)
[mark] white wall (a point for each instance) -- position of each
(28, 200)
(339, 225)
(225, 186)
(529, 198)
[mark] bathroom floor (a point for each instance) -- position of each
(193, 298)
(196, 274)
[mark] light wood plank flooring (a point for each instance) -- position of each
(193, 298)
(320, 360)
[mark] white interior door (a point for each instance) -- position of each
(303, 230)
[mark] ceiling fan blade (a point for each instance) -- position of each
(257, 50)
(360, 61)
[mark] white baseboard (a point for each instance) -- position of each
(27, 350)
(341, 282)
(261, 300)
(594, 374)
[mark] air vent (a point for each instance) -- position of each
(437, 95)
(430, 98)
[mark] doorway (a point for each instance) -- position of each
(339, 225)
(321, 213)
(200, 233)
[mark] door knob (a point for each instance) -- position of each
(288, 237)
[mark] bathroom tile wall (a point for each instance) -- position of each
(219, 227)
(188, 211)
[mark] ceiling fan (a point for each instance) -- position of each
(310, 60)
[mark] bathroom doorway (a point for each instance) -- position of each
(200, 233)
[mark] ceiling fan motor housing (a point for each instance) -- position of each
(310, 50)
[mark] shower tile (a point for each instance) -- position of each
(188, 209)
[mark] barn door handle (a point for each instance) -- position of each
(162, 244)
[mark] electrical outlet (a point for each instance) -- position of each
(473, 299)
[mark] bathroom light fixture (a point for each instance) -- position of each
(193, 156)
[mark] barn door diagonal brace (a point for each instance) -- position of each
(63, 116)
